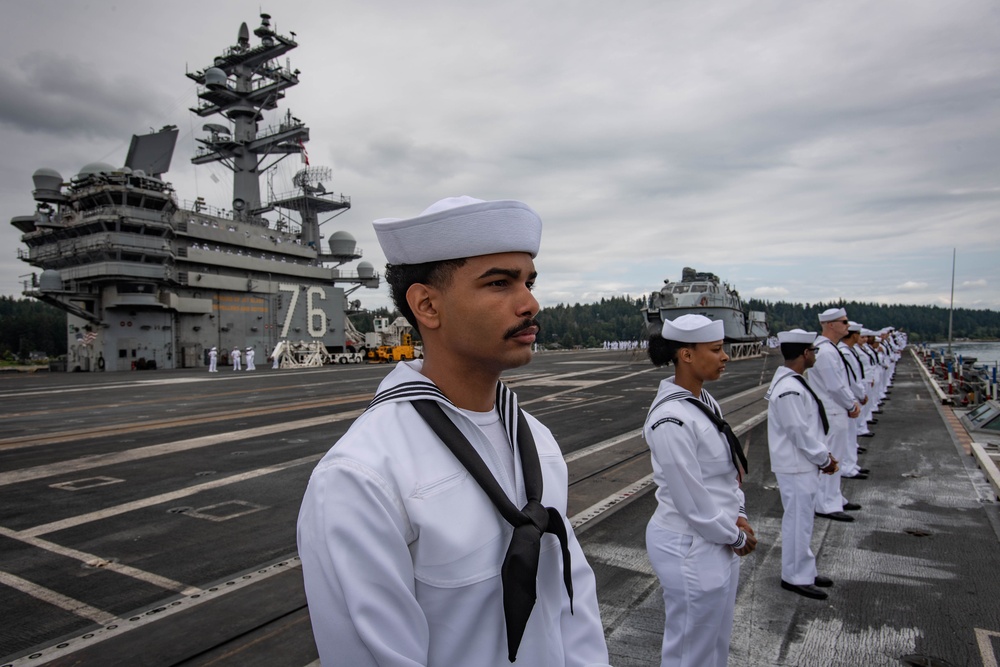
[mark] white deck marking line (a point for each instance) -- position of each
(48, 595)
(594, 384)
(617, 498)
(610, 442)
(72, 522)
(639, 487)
(156, 612)
(84, 557)
(100, 460)
(986, 646)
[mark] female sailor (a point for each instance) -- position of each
(699, 529)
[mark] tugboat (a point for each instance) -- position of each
(149, 282)
(705, 294)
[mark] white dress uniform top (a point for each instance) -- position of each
(796, 443)
(401, 549)
(692, 533)
(849, 465)
(829, 379)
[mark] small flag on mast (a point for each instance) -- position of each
(305, 153)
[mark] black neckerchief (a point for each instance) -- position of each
(520, 565)
(735, 449)
(858, 357)
(822, 410)
(847, 366)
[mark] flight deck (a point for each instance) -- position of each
(148, 518)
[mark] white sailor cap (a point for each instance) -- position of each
(459, 227)
(831, 314)
(868, 332)
(693, 329)
(249, 347)
(797, 336)
(853, 326)
(213, 348)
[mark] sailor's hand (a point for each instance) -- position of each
(831, 467)
(748, 546)
(855, 411)
(751, 540)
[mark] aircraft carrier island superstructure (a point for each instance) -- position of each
(150, 283)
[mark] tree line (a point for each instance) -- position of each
(27, 325)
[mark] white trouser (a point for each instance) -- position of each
(699, 581)
(798, 497)
(829, 499)
(849, 464)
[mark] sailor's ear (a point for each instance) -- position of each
(685, 354)
(422, 300)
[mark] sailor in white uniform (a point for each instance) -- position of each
(235, 357)
(699, 530)
(849, 464)
(796, 426)
(213, 359)
(830, 378)
(250, 355)
(407, 536)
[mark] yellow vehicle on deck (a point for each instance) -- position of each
(394, 342)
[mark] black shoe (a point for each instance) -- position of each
(876, 412)
(823, 582)
(857, 476)
(866, 435)
(805, 590)
(864, 471)
(851, 507)
(862, 450)
(872, 421)
(836, 516)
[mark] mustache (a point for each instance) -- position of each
(527, 323)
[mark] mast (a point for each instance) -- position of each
(243, 82)
(951, 306)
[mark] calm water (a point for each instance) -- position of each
(985, 353)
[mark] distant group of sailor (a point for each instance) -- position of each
(236, 356)
(700, 528)
(814, 422)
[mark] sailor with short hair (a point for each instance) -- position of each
(434, 533)
(830, 378)
(213, 359)
(796, 427)
(235, 356)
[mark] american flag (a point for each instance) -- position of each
(86, 338)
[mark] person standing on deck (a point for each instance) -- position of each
(213, 359)
(796, 426)
(849, 467)
(434, 532)
(831, 380)
(235, 356)
(250, 355)
(699, 529)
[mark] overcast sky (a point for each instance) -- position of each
(804, 151)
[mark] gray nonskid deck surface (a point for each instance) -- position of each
(918, 572)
